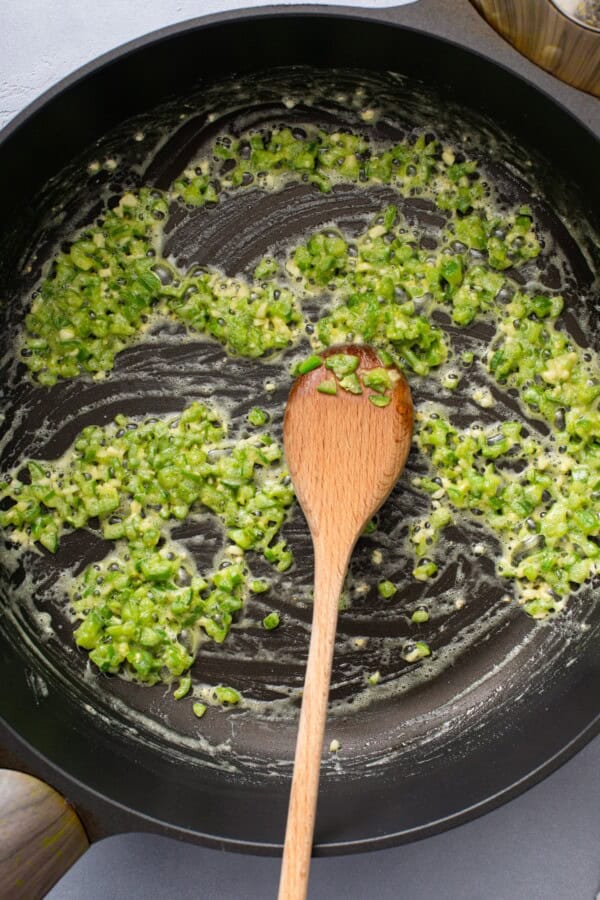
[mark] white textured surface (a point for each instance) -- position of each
(41, 41)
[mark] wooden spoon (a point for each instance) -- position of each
(345, 455)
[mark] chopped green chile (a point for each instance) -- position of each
(327, 387)
(259, 586)
(100, 294)
(271, 621)
(94, 302)
(226, 696)
(546, 516)
(250, 320)
(379, 400)
(345, 369)
(142, 610)
(137, 604)
(549, 516)
(379, 380)
(185, 684)
(308, 364)
(508, 242)
(325, 158)
(138, 478)
(424, 570)
(419, 616)
(258, 416)
(423, 648)
(351, 384)
(413, 652)
(342, 364)
(369, 285)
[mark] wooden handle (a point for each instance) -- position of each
(40, 836)
(329, 580)
(539, 30)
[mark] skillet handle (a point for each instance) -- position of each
(458, 22)
(41, 836)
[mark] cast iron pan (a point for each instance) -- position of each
(503, 700)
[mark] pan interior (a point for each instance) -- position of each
(488, 657)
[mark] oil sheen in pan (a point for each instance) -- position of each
(484, 648)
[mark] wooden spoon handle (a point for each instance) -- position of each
(329, 580)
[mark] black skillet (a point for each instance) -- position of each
(513, 700)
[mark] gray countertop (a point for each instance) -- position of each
(544, 845)
(42, 41)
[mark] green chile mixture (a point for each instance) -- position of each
(144, 610)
